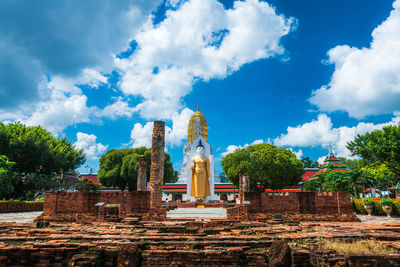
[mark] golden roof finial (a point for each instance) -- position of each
(197, 107)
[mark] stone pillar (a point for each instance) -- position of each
(244, 186)
(142, 175)
(157, 165)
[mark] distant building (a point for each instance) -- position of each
(222, 191)
(332, 163)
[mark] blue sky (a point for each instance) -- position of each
(298, 74)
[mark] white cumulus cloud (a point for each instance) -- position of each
(119, 108)
(61, 104)
(141, 134)
(232, 148)
(199, 41)
(88, 142)
(61, 38)
(366, 81)
(321, 132)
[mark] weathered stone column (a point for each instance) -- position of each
(244, 186)
(157, 164)
(142, 175)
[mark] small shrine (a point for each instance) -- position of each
(332, 163)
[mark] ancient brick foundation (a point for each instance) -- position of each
(299, 202)
(135, 202)
(298, 206)
(133, 254)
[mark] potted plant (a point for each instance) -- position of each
(368, 205)
(387, 206)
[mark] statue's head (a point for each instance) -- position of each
(200, 148)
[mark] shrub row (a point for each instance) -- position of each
(16, 205)
(358, 206)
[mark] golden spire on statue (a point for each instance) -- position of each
(197, 116)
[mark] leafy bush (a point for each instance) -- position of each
(358, 206)
(312, 185)
(16, 205)
(386, 202)
(367, 201)
(87, 185)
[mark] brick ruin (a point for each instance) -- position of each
(148, 205)
(61, 204)
(142, 175)
(192, 243)
(157, 165)
(131, 229)
(299, 202)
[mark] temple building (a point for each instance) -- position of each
(332, 163)
(197, 135)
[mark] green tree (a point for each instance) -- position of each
(361, 179)
(309, 163)
(42, 161)
(383, 177)
(86, 185)
(36, 150)
(313, 185)
(119, 167)
(268, 166)
(336, 181)
(6, 176)
(379, 146)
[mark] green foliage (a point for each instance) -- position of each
(367, 201)
(331, 181)
(41, 160)
(119, 167)
(386, 202)
(377, 206)
(336, 181)
(383, 177)
(313, 185)
(6, 177)
(87, 185)
(34, 149)
(309, 163)
(268, 165)
(379, 146)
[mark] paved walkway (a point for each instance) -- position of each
(197, 213)
(28, 217)
(378, 219)
(19, 217)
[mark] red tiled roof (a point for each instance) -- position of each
(92, 178)
(307, 174)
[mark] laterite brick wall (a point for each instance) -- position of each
(299, 202)
(77, 202)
